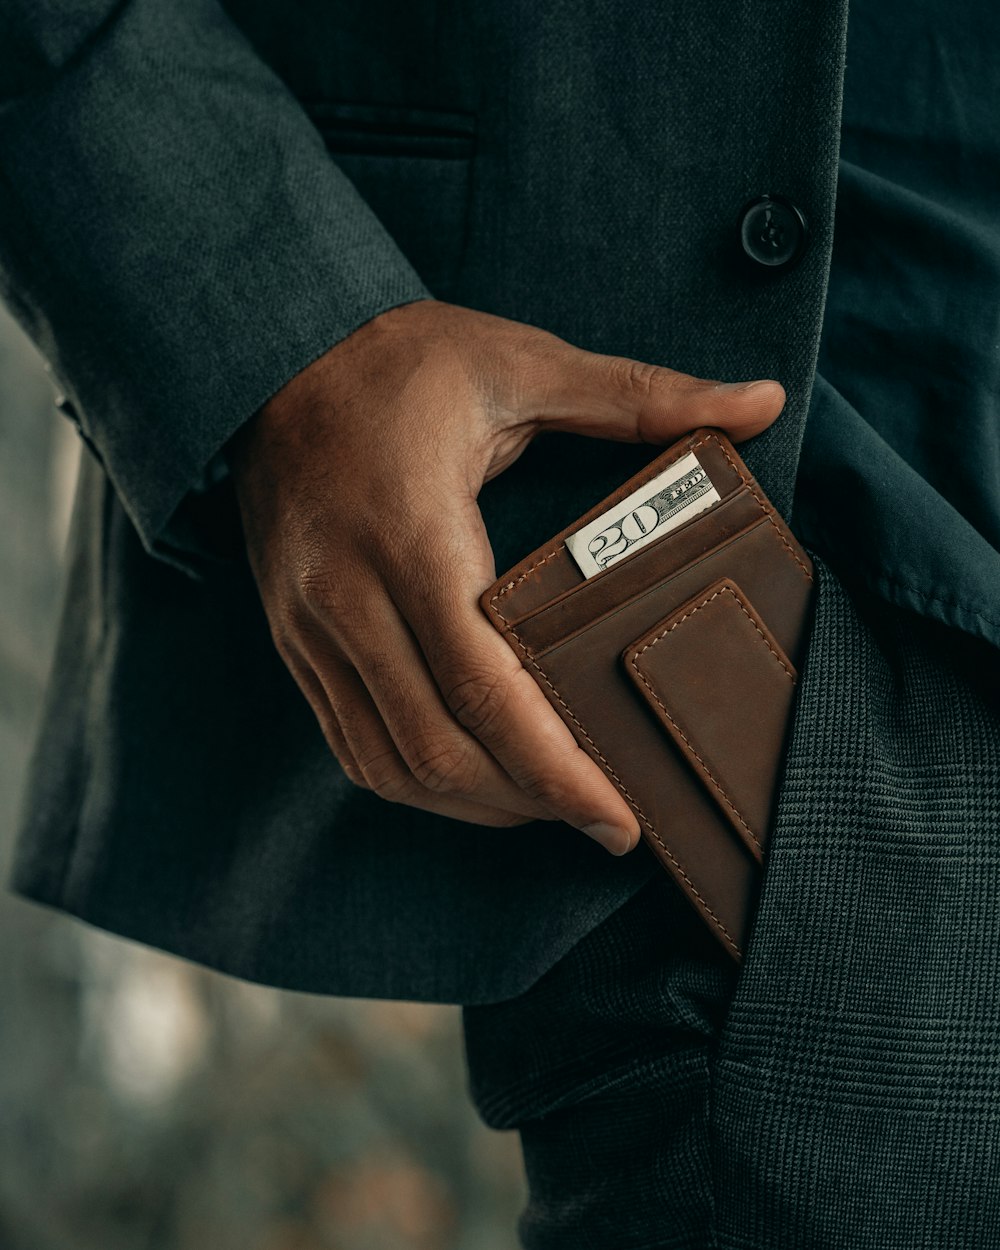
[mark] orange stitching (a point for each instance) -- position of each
(709, 438)
(767, 511)
(722, 590)
(704, 604)
(504, 590)
(518, 580)
(641, 814)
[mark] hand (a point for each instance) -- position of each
(357, 486)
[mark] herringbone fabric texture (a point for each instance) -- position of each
(844, 1089)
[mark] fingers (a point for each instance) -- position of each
(383, 769)
(435, 710)
(628, 400)
(490, 693)
(316, 695)
(383, 706)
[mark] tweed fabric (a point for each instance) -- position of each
(843, 1088)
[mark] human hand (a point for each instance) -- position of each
(357, 485)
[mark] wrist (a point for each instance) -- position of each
(283, 420)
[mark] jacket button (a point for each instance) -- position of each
(773, 231)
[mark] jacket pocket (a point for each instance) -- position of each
(413, 169)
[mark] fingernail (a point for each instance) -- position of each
(744, 386)
(612, 837)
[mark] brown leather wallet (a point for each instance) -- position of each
(675, 668)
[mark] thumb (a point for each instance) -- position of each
(630, 401)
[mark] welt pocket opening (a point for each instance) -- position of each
(393, 130)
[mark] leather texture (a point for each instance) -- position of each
(676, 669)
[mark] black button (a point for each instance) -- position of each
(773, 231)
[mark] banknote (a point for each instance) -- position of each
(674, 496)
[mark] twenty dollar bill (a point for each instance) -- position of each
(674, 496)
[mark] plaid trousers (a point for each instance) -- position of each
(842, 1089)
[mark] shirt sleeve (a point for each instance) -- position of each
(173, 236)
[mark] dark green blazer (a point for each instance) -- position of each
(198, 200)
(194, 203)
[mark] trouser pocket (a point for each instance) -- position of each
(858, 1073)
(603, 1068)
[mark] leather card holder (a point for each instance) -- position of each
(675, 668)
(722, 688)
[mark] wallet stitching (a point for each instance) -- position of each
(509, 586)
(518, 580)
(768, 513)
(728, 590)
(765, 508)
(722, 590)
(545, 559)
(624, 789)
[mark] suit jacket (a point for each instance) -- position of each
(196, 202)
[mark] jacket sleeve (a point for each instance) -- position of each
(173, 235)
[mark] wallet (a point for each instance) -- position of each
(675, 664)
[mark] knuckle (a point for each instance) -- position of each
(384, 774)
(329, 572)
(638, 377)
(318, 590)
(443, 765)
(353, 773)
(478, 701)
(548, 790)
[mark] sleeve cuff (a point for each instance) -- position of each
(177, 241)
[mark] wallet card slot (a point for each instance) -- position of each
(571, 633)
(683, 546)
(551, 571)
(720, 685)
(756, 555)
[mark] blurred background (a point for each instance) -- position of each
(146, 1104)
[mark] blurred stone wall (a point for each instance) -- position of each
(147, 1104)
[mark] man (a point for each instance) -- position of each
(318, 270)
